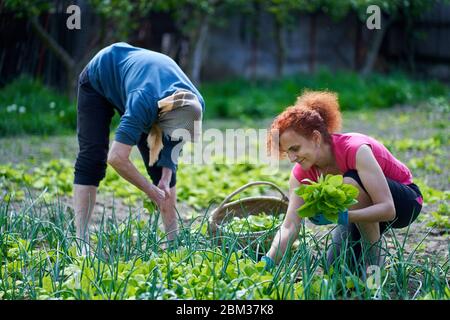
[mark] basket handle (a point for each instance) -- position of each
(250, 184)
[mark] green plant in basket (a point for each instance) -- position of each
(328, 196)
(253, 223)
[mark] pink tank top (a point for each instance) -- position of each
(345, 147)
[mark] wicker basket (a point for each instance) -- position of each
(245, 207)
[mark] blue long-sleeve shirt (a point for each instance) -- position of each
(134, 80)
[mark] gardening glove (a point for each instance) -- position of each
(320, 220)
(169, 246)
(269, 264)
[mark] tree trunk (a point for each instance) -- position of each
(357, 54)
(72, 83)
(312, 43)
(60, 53)
(72, 67)
(197, 51)
(281, 50)
(255, 36)
(375, 44)
(410, 48)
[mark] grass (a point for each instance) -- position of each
(39, 260)
(29, 107)
(239, 98)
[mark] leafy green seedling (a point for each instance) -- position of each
(328, 196)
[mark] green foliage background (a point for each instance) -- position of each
(47, 112)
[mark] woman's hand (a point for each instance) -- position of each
(269, 264)
(164, 186)
(118, 158)
(164, 182)
(157, 195)
(320, 219)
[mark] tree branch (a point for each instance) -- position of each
(375, 46)
(48, 40)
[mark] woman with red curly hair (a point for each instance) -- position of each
(388, 197)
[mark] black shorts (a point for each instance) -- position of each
(94, 115)
(407, 201)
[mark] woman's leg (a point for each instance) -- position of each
(169, 215)
(168, 211)
(370, 235)
(361, 240)
(345, 247)
(94, 114)
(408, 204)
(84, 198)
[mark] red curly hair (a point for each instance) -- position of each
(313, 110)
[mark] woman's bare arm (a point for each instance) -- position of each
(377, 188)
(289, 230)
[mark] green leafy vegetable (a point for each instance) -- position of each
(253, 223)
(328, 196)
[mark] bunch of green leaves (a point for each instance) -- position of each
(253, 223)
(328, 196)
